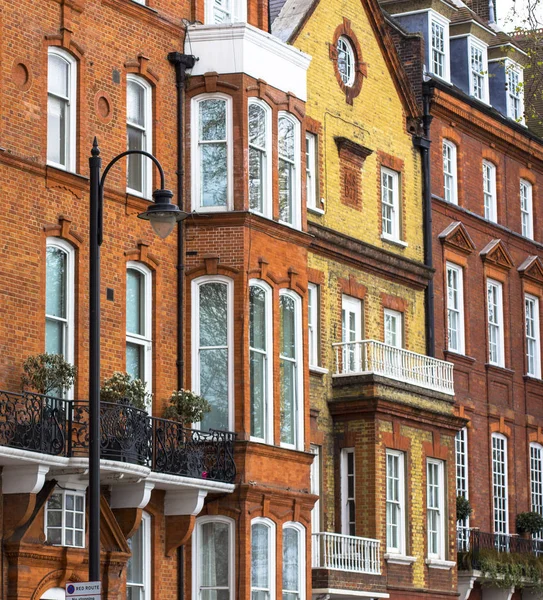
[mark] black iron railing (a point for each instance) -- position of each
(471, 542)
(61, 427)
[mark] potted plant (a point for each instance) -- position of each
(463, 508)
(126, 433)
(186, 407)
(46, 373)
(529, 523)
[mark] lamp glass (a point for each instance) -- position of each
(163, 223)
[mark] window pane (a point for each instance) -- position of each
(214, 387)
(56, 282)
(288, 401)
(286, 191)
(134, 297)
(258, 394)
(214, 558)
(256, 179)
(134, 360)
(213, 120)
(286, 138)
(213, 314)
(54, 337)
(58, 75)
(54, 536)
(257, 126)
(135, 170)
(54, 518)
(56, 130)
(134, 573)
(259, 556)
(213, 164)
(291, 567)
(135, 110)
(288, 323)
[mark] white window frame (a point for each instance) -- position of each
(236, 13)
(315, 486)
(351, 349)
(145, 531)
(196, 189)
(532, 334)
(440, 21)
(462, 472)
(501, 526)
(312, 171)
(147, 163)
(71, 120)
(268, 409)
(394, 207)
(299, 391)
(313, 324)
(489, 191)
(69, 321)
(399, 458)
(526, 208)
(456, 307)
(349, 76)
(536, 482)
(197, 544)
(474, 44)
(435, 504)
(267, 197)
(297, 190)
(145, 340)
(450, 177)
(64, 528)
(347, 527)
(396, 316)
(301, 557)
(195, 371)
(495, 325)
(511, 68)
(271, 555)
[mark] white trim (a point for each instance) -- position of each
(312, 172)
(238, 12)
(350, 62)
(145, 531)
(393, 206)
(512, 66)
(298, 362)
(271, 554)
(70, 147)
(396, 317)
(399, 551)
(435, 563)
(495, 472)
(147, 130)
(490, 202)
(315, 477)
(144, 340)
(344, 477)
(453, 175)
(344, 593)
(296, 218)
(536, 480)
(54, 594)
(69, 320)
(195, 291)
(437, 505)
(195, 152)
(313, 324)
(535, 337)
(301, 555)
(197, 546)
(462, 459)
(266, 182)
(64, 528)
(434, 17)
(497, 324)
(399, 559)
(476, 43)
(460, 348)
(526, 209)
(268, 388)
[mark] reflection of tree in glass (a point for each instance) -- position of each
(213, 355)
(257, 155)
(214, 560)
(257, 343)
(288, 369)
(286, 169)
(213, 152)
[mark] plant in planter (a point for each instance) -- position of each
(463, 508)
(46, 373)
(529, 523)
(121, 388)
(186, 407)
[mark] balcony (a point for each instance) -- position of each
(370, 357)
(60, 428)
(474, 543)
(346, 553)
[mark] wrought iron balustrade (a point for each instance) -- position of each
(371, 356)
(346, 553)
(38, 423)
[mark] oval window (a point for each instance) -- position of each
(346, 61)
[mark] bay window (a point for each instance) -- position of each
(260, 157)
(289, 169)
(65, 518)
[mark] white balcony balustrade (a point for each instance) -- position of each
(346, 553)
(373, 357)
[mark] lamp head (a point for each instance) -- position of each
(163, 215)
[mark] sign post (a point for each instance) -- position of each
(85, 590)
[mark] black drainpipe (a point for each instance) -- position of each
(182, 62)
(423, 142)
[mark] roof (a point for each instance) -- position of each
(290, 17)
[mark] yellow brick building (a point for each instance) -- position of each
(382, 421)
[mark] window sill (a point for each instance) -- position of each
(499, 369)
(399, 559)
(314, 370)
(394, 241)
(437, 563)
(315, 210)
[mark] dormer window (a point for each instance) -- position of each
(515, 104)
(438, 59)
(478, 83)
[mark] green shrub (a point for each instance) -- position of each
(121, 387)
(508, 570)
(529, 522)
(186, 407)
(463, 508)
(46, 373)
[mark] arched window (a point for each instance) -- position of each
(59, 298)
(211, 152)
(346, 60)
(139, 323)
(139, 135)
(138, 570)
(489, 191)
(262, 559)
(260, 157)
(293, 561)
(291, 373)
(260, 360)
(61, 109)
(213, 558)
(212, 343)
(289, 169)
(54, 594)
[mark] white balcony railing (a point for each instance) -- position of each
(346, 553)
(370, 356)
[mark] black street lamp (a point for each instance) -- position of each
(163, 216)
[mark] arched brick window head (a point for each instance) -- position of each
(346, 55)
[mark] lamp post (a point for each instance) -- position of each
(163, 216)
